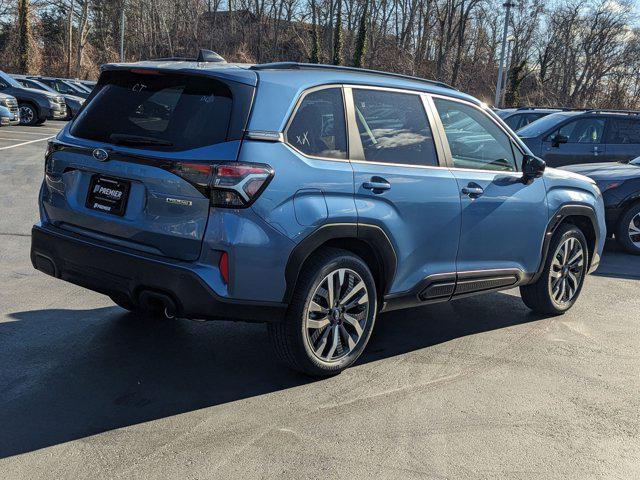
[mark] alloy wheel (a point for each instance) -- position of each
(26, 115)
(634, 230)
(567, 269)
(337, 315)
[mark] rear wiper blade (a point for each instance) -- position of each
(124, 139)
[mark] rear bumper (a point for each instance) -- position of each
(123, 274)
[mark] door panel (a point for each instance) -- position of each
(399, 185)
(585, 136)
(503, 220)
(503, 227)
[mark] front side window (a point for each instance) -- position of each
(474, 139)
(623, 131)
(583, 130)
(393, 128)
(318, 127)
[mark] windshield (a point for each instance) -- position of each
(38, 85)
(542, 125)
(157, 110)
(10, 80)
(635, 161)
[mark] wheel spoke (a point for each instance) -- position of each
(316, 307)
(317, 322)
(357, 287)
(322, 343)
(334, 343)
(354, 323)
(351, 343)
(330, 288)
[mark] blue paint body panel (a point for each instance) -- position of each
(433, 228)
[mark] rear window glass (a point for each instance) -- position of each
(164, 111)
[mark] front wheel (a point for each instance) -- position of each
(331, 315)
(628, 231)
(563, 274)
(28, 114)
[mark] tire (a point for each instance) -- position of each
(339, 334)
(146, 314)
(41, 121)
(628, 224)
(28, 114)
(562, 266)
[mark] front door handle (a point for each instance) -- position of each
(377, 184)
(473, 190)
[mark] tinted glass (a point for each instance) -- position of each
(394, 128)
(474, 139)
(318, 128)
(543, 125)
(583, 130)
(623, 131)
(157, 111)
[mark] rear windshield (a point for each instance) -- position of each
(157, 111)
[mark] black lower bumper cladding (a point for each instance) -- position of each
(125, 274)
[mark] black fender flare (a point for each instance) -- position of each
(565, 211)
(373, 235)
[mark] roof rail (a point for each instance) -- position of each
(607, 110)
(204, 55)
(560, 109)
(319, 66)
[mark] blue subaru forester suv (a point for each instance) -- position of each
(309, 197)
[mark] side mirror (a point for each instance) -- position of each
(556, 140)
(532, 168)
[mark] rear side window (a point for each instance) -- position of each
(164, 111)
(623, 131)
(393, 128)
(318, 127)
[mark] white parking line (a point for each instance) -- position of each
(25, 143)
(20, 132)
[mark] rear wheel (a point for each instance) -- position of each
(563, 274)
(331, 315)
(28, 114)
(628, 231)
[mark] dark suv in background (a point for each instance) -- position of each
(520, 117)
(589, 136)
(36, 106)
(73, 101)
(62, 86)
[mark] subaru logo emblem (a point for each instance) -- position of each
(100, 155)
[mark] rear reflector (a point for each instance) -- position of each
(223, 265)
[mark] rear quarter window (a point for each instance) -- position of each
(164, 111)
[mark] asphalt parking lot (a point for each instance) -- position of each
(477, 389)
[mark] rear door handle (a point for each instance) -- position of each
(473, 190)
(377, 184)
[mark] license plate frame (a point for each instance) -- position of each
(102, 195)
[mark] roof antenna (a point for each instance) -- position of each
(209, 56)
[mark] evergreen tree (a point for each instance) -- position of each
(24, 37)
(337, 36)
(315, 36)
(361, 40)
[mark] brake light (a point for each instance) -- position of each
(234, 185)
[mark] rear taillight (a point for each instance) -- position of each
(229, 185)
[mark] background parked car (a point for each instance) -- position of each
(590, 136)
(619, 183)
(36, 106)
(73, 102)
(63, 86)
(517, 118)
(88, 83)
(9, 112)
